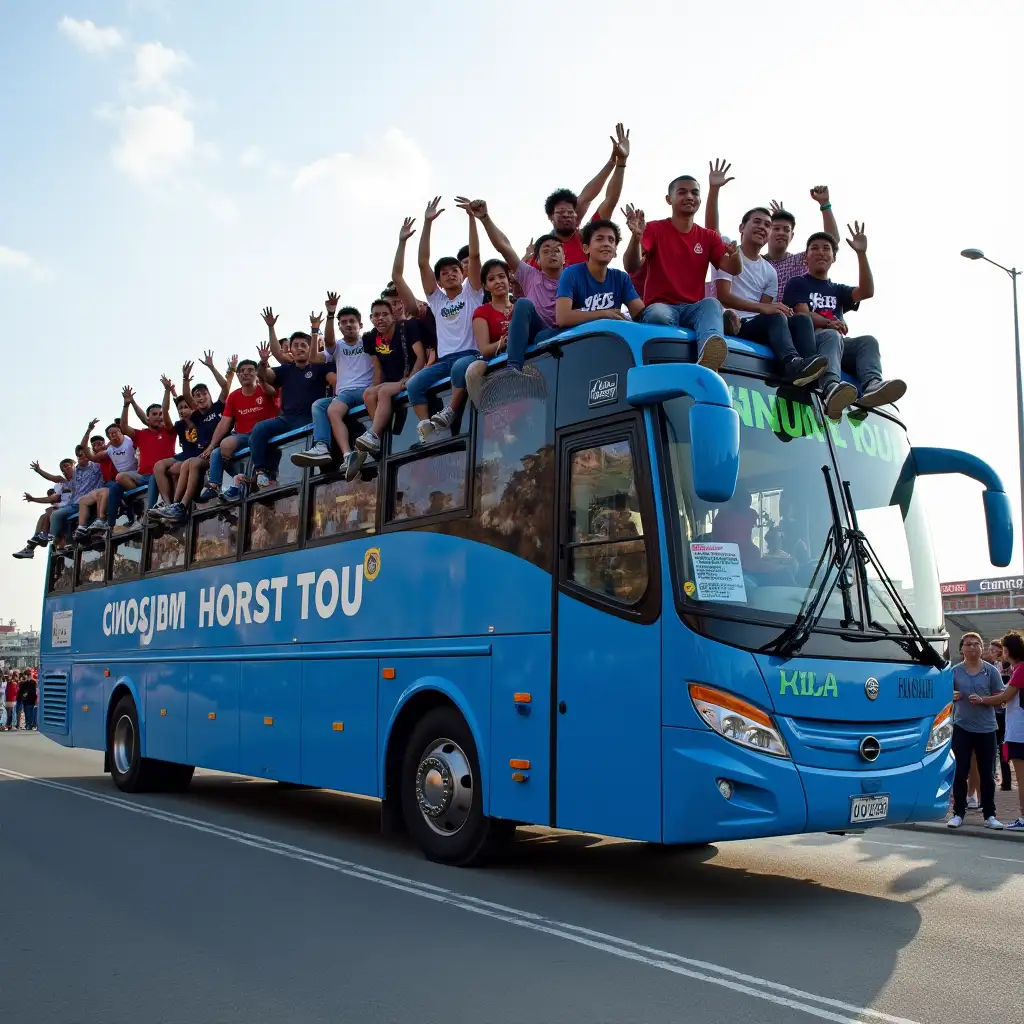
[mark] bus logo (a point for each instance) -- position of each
(871, 688)
(603, 390)
(371, 564)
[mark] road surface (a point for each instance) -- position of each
(243, 901)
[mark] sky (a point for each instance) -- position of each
(169, 168)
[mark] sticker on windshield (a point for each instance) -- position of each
(689, 589)
(718, 571)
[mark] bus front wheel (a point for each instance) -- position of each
(131, 772)
(442, 801)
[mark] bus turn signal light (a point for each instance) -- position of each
(522, 698)
(519, 777)
(518, 763)
(388, 673)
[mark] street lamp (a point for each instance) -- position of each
(977, 254)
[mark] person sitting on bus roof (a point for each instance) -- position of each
(205, 416)
(826, 302)
(533, 317)
(52, 500)
(592, 290)
(754, 294)
(566, 210)
(453, 300)
(397, 353)
(354, 373)
(420, 320)
(793, 264)
(85, 478)
(673, 256)
(301, 382)
(250, 404)
(117, 457)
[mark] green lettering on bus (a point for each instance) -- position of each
(789, 415)
(766, 412)
(788, 683)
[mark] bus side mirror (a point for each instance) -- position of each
(714, 425)
(998, 523)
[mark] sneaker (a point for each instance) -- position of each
(28, 551)
(369, 442)
(233, 493)
(318, 455)
(175, 512)
(161, 510)
(208, 493)
(425, 429)
(713, 354)
(475, 379)
(264, 480)
(444, 418)
(801, 372)
(353, 463)
(1016, 826)
(837, 397)
(955, 822)
(98, 526)
(40, 540)
(993, 822)
(973, 803)
(731, 323)
(80, 535)
(881, 392)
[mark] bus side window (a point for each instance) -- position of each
(605, 546)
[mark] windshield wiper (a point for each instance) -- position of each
(837, 553)
(914, 643)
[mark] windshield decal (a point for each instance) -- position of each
(718, 571)
(802, 684)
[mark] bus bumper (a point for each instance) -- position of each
(772, 796)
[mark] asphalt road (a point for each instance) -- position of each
(242, 901)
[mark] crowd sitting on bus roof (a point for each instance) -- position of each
(474, 311)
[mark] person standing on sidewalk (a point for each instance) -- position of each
(998, 658)
(11, 700)
(975, 685)
(30, 701)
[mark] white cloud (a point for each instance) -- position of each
(394, 167)
(12, 259)
(154, 142)
(154, 66)
(90, 37)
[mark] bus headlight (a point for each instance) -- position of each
(942, 729)
(737, 720)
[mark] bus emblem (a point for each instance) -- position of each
(603, 390)
(871, 688)
(371, 564)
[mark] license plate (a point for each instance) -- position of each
(869, 808)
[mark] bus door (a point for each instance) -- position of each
(607, 634)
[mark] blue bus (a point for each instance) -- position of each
(635, 598)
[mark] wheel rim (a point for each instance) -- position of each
(444, 787)
(124, 745)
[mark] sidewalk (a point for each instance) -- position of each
(1007, 809)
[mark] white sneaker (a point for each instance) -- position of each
(973, 803)
(1016, 826)
(445, 418)
(425, 429)
(993, 822)
(955, 822)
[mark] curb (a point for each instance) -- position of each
(970, 831)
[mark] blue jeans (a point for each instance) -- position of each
(265, 430)
(525, 328)
(18, 708)
(117, 493)
(321, 424)
(453, 365)
(858, 357)
(59, 518)
(216, 474)
(30, 716)
(704, 318)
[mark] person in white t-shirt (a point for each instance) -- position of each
(754, 295)
(452, 299)
(121, 454)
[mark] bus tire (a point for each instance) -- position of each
(442, 799)
(131, 772)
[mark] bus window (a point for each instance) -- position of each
(272, 523)
(215, 536)
(126, 558)
(166, 548)
(61, 569)
(341, 507)
(91, 566)
(605, 547)
(430, 486)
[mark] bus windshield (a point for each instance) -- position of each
(755, 556)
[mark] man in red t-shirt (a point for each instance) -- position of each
(153, 443)
(671, 257)
(252, 403)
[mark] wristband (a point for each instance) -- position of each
(827, 206)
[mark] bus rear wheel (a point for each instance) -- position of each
(442, 800)
(131, 772)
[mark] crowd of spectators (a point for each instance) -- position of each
(470, 312)
(19, 706)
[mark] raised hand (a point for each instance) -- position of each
(127, 394)
(268, 317)
(233, 362)
(166, 381)
(207, 358)
(776, 207)
(186, 370)
(26, 496)
(635, 220)
(264, 352)
(407, 229)
(530, 252)
(34, 466)
(858, 241)
(820, 194)
(92, 423)
(620, 144)
(432, 212)
(333, 298)
(474, 207)
(315, 320)
(717, 172)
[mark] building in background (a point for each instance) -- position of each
(18, 648)
(991, 607)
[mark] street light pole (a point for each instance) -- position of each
(1014, 273)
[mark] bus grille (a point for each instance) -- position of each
(55, 701)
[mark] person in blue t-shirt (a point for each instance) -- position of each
(826, 302)
(592, 290)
